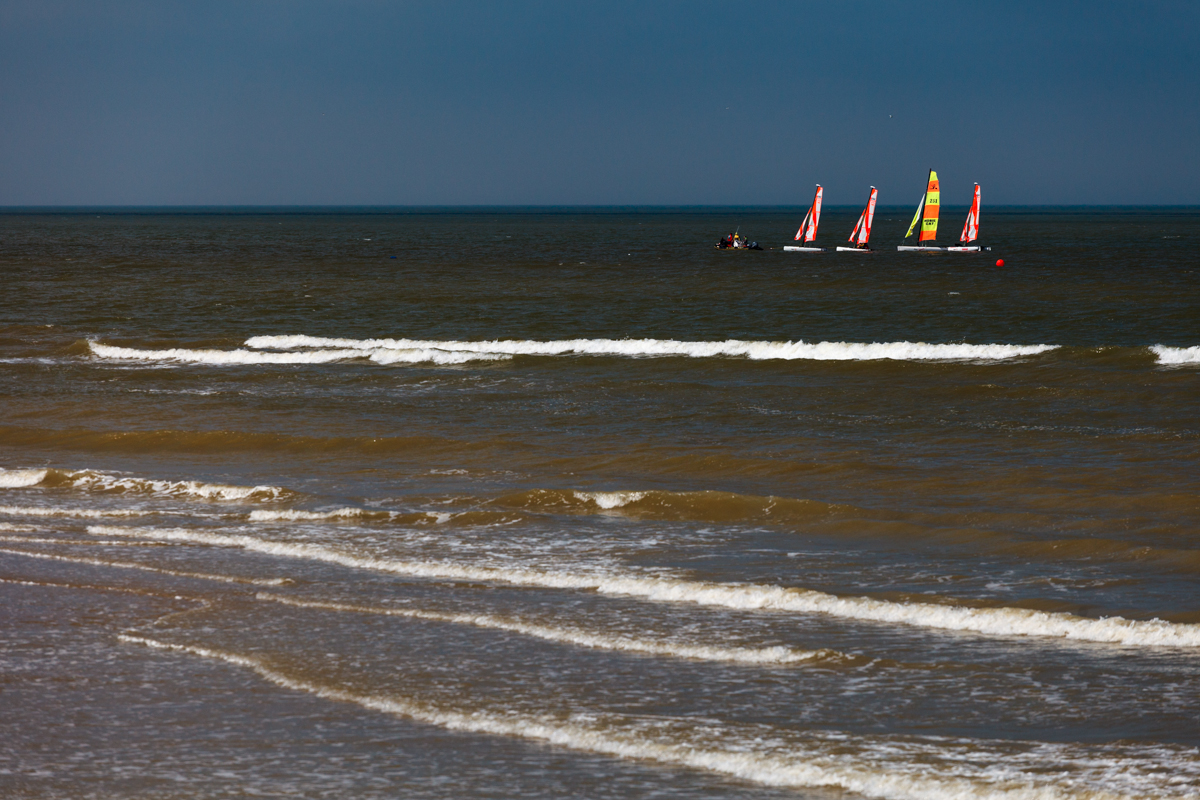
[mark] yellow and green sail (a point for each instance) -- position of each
(927, 212)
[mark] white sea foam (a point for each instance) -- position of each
(435, 355)
(83, 513)
(818, 351)
(20, 478)
(291, 515)
(348, 512)
(407, 355)
(207, 491)
(1176, 355)
(987, 621)
(98, 562)
(880, 769)
(574, 636)
(80, 542)
(8, 526)
(73, 542)
(221, 357)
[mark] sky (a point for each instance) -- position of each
(365, 102)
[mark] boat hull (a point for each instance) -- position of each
(855, 250)
(792, 249)
(911, 248)
(969, 249)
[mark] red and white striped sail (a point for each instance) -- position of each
(971, 227)
(808, 228)
(862, 231)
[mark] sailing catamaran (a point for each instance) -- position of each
(862, 231)
(808, 228)
(927, 215)
(970, 231)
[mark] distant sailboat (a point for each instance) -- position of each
(808, 228)
(970, 231)
(861, 234)
(927, 215)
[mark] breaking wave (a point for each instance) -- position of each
(818, 351)
(881, 768)
(659, 504)
(574, 636)
(610, 500)
(1176, 355)
(100, 482)
(20, 478)
(408, 355)
(987, 621)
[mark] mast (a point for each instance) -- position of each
(924, 202)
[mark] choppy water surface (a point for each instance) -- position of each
(569, 504)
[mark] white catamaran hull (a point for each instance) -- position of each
(968, 249)
(855, 250)
(793, 249)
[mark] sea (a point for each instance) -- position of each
(567, 503)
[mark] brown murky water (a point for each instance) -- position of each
(569, 504)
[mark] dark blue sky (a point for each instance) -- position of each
(292, 102)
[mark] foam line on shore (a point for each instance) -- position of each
(82, 513)
(580, 638)
(888, 770)
(755, 350)
(79, 542)
(986, 621)
(97, 562)
(420, 518)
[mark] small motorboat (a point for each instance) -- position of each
(736, 241)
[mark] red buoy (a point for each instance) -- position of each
(1000, 262)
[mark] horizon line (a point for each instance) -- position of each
(266, 207)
